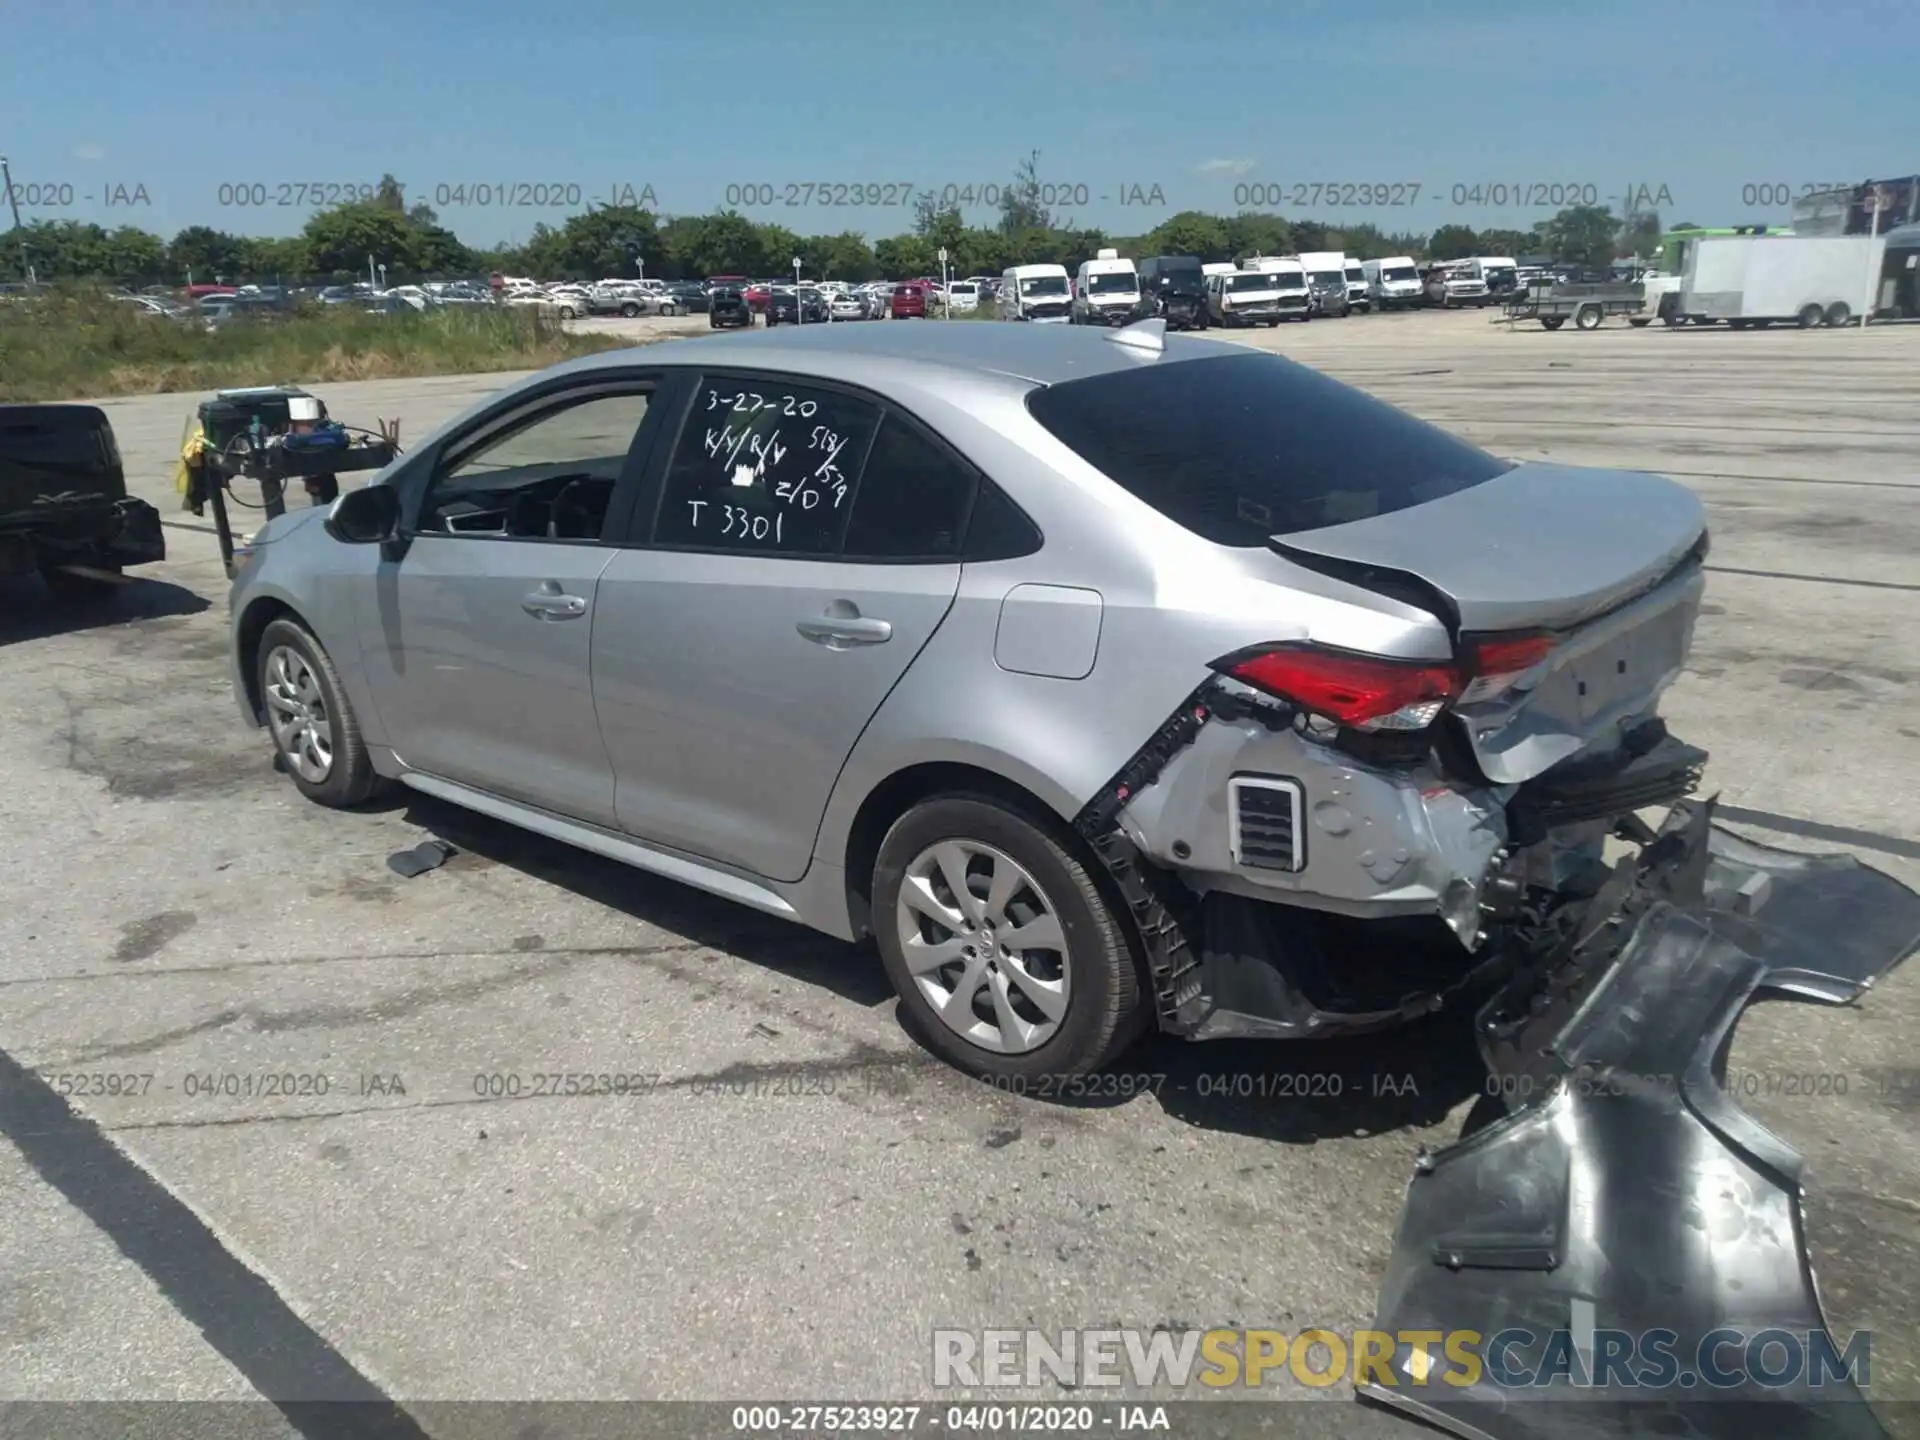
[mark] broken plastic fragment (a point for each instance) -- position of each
(428, 855)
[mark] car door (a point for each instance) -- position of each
(477, 638)
(804, 548)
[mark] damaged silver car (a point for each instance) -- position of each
(1107, 680)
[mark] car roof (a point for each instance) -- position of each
(1037, 354)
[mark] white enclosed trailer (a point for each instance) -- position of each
(1759, 279)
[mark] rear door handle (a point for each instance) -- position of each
(549, 602)
(837, 632)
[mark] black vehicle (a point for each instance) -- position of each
(64, 507)
(727, 309)
(1174, 288)
(802, 307)
(690, 296)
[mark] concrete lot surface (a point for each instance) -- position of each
(798, 1196)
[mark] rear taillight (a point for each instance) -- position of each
(1375, 694)
(1495, 663)
(1364, 692)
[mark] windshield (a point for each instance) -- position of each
(1244, 447)
(1355, 275)
(1043, 285)
(1325, 278)
(1400, 272)
(1258, 282)
(1113, 282)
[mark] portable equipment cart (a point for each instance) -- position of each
(249, 435)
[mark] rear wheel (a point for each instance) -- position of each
(1838, 314)
(1587, 317)
(1553, 322)
(314, 730)
(1640, 322)
(629, 310)
(1003, 950)
(1810, 316)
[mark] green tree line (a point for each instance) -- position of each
(412, 244)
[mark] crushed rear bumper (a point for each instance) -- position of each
(1624, 1194)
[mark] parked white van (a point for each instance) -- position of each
(1036, 292)
(1106, 291)
(1276, 291)
(1394, 283)
(1358, 296)
(963, 295)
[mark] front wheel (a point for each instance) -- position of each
(315, 732)
(1640, 322)
(1553, 322)
(1005, 954)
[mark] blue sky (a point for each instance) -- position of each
(100, 99)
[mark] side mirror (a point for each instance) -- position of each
(367, 516)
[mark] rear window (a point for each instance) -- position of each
(1243, 447)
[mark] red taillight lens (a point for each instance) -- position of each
(1510, 654)
(1495, 663)
(1363, 691)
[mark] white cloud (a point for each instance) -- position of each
(89, 151)
(1226, 167)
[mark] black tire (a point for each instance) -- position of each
(1639, 322)
(351, 779)
(1839, 314)
(1106, 1009)
(1738, 324)
(1587, 317)
(1553, 322)
(71, 589)
(1810, 316)
(629, 310)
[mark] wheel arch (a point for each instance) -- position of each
(259, 613)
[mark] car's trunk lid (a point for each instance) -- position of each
(1606, 561)
(1539, 547)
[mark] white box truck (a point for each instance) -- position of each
(1755, 280)
(1106, 291)
(1327, 278)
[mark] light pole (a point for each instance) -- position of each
(799, 309)
(13, 204)
(1880, 199)
(946, 288)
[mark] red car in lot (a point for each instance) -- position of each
(910, 300)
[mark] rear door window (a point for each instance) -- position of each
(764, 467)
(913, 498)
(1241, 448)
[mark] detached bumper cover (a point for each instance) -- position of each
(1625, 1195)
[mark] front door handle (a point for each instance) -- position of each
(549, 602)
(844, 625)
